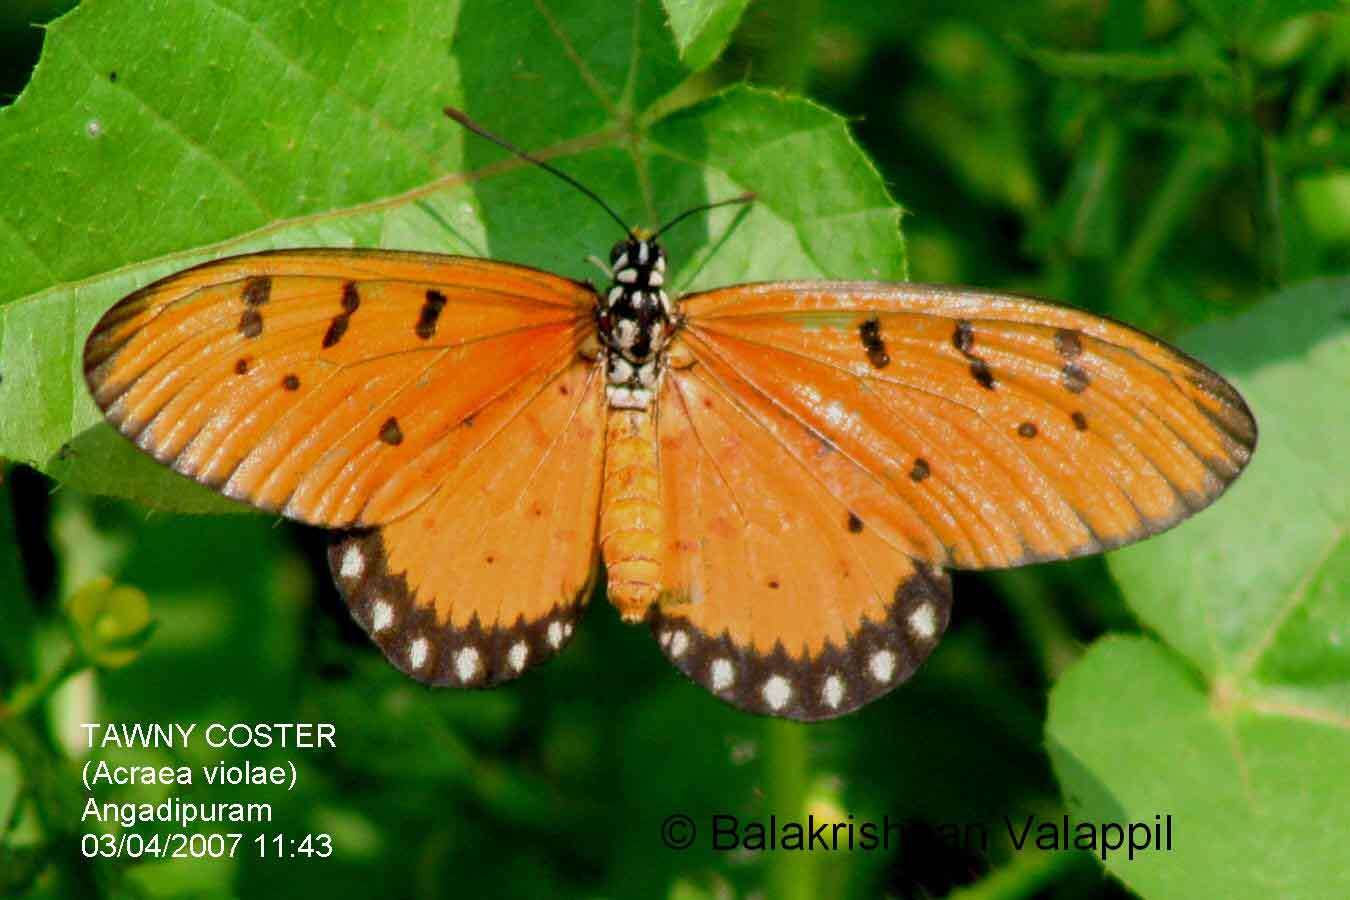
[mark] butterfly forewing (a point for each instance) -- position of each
(337, 387)
(1009, 430)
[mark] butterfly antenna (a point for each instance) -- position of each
(462, 118)
(747, 197)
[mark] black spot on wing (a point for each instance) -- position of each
(963, 339)
(351, 301)
(250, 322)
(870, 333)
(391, 433)
(979, 370)
(1067, 343)
(431, 312)
(351, 298)
(1074, 378)
(336, 329)
(257, 290)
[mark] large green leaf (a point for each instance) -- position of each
(157, 135)
(1240, 726)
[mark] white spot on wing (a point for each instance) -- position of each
(381, 616)
(833, 692)
(835, 414)
(466, 663)
(882, 666)
(518, 654)
(679, 642)
(555, 634)
(923, 622)
(353, 562)
(418, 651)
(723, 674)
(777, 692)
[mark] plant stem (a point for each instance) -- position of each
(27, 696)
(791, 875)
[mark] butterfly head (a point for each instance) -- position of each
(638, 260)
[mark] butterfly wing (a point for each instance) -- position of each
(433, 407)
(335, 387)
(828, 448)
(782, 599)
(488, 577)
(985, 430)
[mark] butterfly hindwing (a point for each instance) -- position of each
(781, 599)
(992, 430)
(489, 576)
(331, 386)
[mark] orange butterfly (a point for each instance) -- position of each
(775, 475)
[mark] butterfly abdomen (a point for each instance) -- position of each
(630, 518)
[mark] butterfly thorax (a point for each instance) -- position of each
(635, 321)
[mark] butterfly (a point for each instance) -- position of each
(776, 476)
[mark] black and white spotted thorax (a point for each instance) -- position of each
(636, 321)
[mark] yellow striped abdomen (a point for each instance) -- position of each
(630, 518)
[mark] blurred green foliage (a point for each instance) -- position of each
(1166, 163)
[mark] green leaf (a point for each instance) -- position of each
(122, 166)
(1224, 589)
(703, 27)
(1239, 726)
(1256, 798)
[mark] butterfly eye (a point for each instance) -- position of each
(616, 251)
